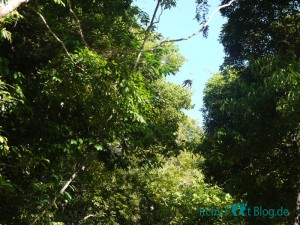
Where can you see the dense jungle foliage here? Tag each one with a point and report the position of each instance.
(91, 132)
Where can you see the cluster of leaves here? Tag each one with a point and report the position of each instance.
(260, 28)
(9, 97)
(87, 138)
(251, 109)
(171, 194)
(179, 189)
(11, 18)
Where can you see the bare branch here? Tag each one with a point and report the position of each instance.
(192, 35)
(161, 12)
(56, 196)
(51, 31)
(85, 218)
(78, 24)
(12, 5)
(147, 34)
(88, 216)
(54, 35)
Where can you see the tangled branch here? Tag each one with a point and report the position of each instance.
(201, 29)
(205, 25)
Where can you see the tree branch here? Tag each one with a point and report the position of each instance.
(12, 5)
(147, 34)
(203, 27)
(184, 38)
(161, 12)
(78, 24)
(57, 195)
(53, 34)
(85, 218)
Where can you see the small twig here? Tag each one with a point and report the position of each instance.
(85, 218)
(88, 216)
(54, 35)
(78, 24)
(51, 31)
(161, 12)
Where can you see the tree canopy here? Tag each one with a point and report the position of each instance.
(251, 108)
(91, 132)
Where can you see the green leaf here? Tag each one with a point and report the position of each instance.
(73, 142)
(68, 196)
(59, 2)
(99, 147)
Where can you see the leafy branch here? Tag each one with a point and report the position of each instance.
(62, 190)
(12, 5)
(147, 34)
(51, 31)
(205, 25)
